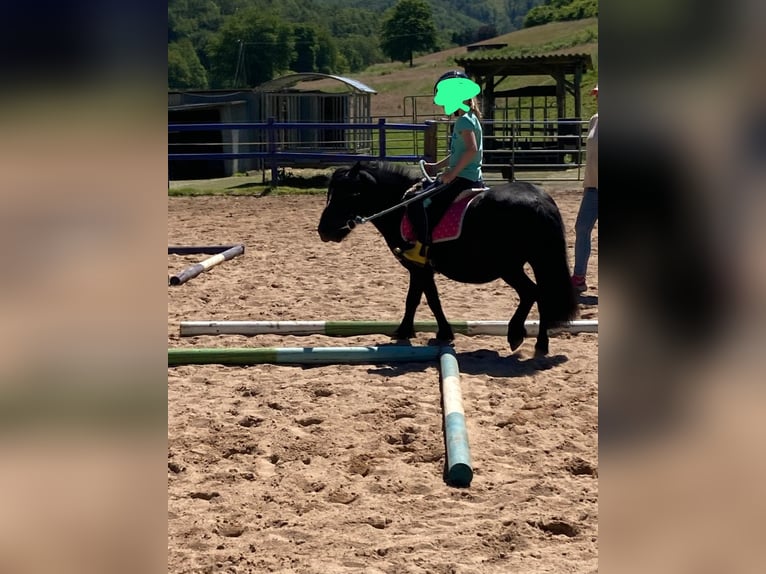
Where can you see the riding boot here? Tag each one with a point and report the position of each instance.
(416, 254)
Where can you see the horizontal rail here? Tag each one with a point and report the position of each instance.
(292, 125)
(291, 155)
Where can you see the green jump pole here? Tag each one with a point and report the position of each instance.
(350, 328)
(301, 355)
(459, 471)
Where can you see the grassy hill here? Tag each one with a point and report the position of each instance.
(394, 81)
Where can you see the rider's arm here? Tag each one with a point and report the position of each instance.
(471, 149)
(434, 168)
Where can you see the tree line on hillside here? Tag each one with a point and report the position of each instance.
(224, 44)
(560, 11)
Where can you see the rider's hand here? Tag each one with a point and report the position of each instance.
(448, 176)
(414, 190)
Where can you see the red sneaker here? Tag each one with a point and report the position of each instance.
(578, 283)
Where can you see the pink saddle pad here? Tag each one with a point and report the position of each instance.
(450, 226)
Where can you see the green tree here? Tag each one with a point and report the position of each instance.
(306, 47)
(561, 10)
(360, 52)
(328, 58)
(185, 71)
(250, 48)
(408, 28)
(192, 19)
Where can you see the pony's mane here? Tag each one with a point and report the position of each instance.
(392, 174)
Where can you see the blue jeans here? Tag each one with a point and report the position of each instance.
(586, 220)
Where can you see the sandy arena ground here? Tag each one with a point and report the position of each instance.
(339, 469)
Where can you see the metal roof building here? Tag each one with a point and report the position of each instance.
(303, 97)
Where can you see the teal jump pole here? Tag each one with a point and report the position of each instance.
(351, 328)
(459, 471)
(301, 355)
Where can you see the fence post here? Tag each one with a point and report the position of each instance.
(382, 138)
(429, 141)
(270, 131)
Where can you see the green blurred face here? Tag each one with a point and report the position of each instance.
(453, 92)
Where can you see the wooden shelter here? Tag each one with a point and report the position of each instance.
(546, 105)
(490, 69)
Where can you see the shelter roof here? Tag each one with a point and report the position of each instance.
(284, 82)
(495, 62)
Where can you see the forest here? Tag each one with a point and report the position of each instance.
(223, 44)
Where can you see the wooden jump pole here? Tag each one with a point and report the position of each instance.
(202, 266)
(459, 471)
(350, 328)
(301, 355)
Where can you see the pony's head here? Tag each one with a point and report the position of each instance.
(345, 202)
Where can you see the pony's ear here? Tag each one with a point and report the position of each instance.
(367, 176)
(357, 173)
(354, 171)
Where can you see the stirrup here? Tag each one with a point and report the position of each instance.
(417, 254)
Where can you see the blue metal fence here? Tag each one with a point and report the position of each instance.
(273, 155)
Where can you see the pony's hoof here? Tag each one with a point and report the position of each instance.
(515, 340)
(541, 350)
(403, 334)
(445, 337)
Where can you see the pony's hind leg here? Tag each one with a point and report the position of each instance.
(527, 291)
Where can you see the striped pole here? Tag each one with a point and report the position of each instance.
(350, 328)
(301, 355)
(459, 471)
(202, 266)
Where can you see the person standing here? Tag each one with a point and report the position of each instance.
(587, 215)
(457, 93)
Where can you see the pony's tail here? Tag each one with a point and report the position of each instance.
(556, 297)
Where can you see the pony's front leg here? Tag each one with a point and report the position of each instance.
(527, 291)
(434, 303)
(406, 329)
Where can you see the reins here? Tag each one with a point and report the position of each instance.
(416, 197)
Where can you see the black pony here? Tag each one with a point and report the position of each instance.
(504, 228)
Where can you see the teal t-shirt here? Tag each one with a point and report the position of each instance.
(467, 121)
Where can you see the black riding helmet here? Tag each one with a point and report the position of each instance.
(448, 75)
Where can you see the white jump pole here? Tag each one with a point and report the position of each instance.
(202, 266)
(350, 328)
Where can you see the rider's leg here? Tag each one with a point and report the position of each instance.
(418, 215)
